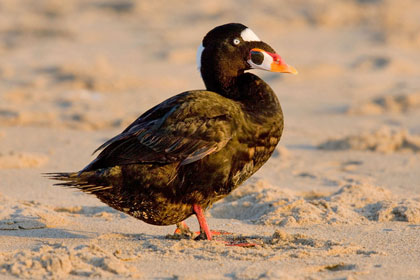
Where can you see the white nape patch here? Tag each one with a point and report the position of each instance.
(265, 65)
(248, 35)
(198, 57)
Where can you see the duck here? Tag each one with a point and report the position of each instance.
(193, 149)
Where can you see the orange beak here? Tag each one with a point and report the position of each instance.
(260, 59)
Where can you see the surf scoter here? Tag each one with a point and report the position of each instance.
(194, 148)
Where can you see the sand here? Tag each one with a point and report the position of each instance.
(385, 140)
(339, 199)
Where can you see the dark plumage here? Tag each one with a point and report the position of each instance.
(193, 149)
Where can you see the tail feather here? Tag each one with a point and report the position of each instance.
(87, 181)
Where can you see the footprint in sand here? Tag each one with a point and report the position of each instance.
(22, 223)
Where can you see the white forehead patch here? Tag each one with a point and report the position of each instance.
(198, 57)
(249, 35)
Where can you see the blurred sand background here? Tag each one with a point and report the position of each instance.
(340, 198)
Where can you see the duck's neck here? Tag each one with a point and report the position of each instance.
(246, 88)
(222, 82)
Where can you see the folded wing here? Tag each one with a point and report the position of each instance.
(181, 129)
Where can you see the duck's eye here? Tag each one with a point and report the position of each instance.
(236, 41)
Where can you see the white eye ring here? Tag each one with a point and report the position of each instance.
(236, 41)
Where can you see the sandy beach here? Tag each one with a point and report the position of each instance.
(339, 199)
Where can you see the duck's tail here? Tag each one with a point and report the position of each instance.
(88, 182)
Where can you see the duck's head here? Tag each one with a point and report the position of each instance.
(229, 50)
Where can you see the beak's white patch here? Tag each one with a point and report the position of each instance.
(248, 35)
(198, 57)
(265, 65)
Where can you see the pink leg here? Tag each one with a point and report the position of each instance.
(202, 220)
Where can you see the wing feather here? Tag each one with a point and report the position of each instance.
(184, 128)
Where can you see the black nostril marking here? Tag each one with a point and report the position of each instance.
(257, 57)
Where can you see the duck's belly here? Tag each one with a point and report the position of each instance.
(145, 191)
(162, 212)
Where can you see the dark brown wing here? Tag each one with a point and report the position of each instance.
(184, 128)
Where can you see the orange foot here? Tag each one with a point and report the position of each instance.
(182, 228)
